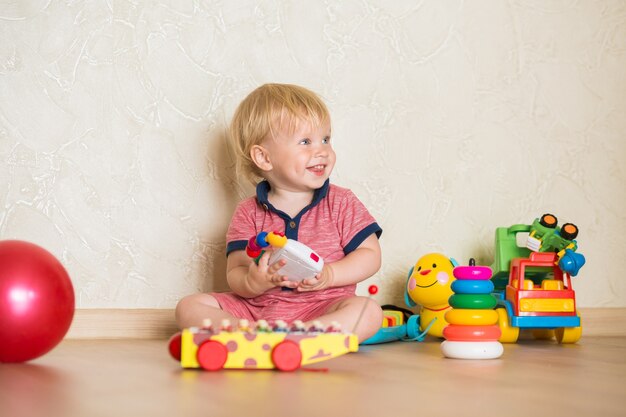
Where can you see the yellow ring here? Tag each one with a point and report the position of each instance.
(471, 317)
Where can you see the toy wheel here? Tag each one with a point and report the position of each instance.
(509, 333)
(569, 334)
(212, 355)
(543, 334)
(569, 231)
(174, 345)
(548, 220)
(287, 356)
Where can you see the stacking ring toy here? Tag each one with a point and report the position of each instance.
(471, 317)
(472, 350)
(472, 286)
(475, 301)
(457, 333)
(472, 272)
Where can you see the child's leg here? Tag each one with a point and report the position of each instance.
(193, 309)
(347, 312)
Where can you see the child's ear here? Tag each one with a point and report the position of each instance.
(261, 158)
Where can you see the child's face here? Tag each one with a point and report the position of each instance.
(302, 160)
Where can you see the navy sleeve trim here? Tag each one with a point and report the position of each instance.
(236, 245)
(361, 236)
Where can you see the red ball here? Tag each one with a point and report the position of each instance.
(36, 301)
(373, 289)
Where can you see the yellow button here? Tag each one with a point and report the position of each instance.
(547, 305)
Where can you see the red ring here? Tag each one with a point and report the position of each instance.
(252, 253)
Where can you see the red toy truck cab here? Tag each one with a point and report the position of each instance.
(553, 296)
(548, 303)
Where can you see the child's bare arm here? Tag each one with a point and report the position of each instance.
(248, 279)
(355, 267)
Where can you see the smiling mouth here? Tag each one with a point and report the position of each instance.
(317, 169)
(426, 286)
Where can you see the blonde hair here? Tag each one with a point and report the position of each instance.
(271, 108)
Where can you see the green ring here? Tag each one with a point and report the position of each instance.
(473, 301)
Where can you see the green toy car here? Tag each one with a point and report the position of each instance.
(543, 236)
(546, 236)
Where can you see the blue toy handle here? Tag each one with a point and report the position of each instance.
(571, 262)
(386, 334)
(409, 332)
(413, 328)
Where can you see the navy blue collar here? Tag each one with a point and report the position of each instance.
(263, 188)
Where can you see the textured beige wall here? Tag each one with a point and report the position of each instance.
(450, 118)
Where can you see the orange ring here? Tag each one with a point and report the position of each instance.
(458, 333)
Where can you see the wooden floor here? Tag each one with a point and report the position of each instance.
(91, 378)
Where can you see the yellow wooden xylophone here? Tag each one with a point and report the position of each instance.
(259, 345)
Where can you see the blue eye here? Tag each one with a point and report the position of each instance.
(305, 142)
(326, 140)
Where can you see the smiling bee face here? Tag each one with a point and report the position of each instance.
(430, 280)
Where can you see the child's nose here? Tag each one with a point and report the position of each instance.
(322, 149)
(321, 153)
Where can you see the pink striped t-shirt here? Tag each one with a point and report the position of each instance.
(333, 225)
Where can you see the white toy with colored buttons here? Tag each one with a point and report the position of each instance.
(302, 261)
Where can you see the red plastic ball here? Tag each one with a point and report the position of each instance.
(373, 289)
(36, 301)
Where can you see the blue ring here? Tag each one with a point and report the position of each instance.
(261, 240)
(466, 286)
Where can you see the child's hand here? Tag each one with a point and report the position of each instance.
(321, 281)
(259, 276)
